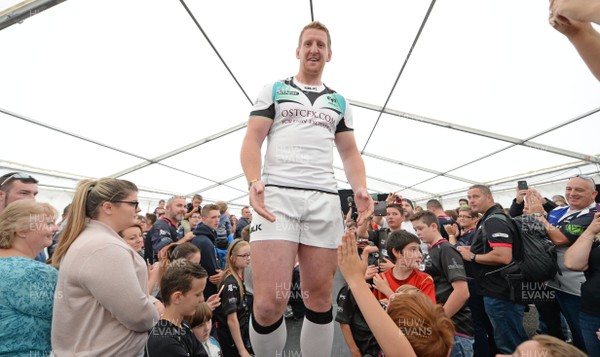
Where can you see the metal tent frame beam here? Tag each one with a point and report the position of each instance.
(515, 141)
(24, 10)
(420, 168)
(146, 161)
(158, 159)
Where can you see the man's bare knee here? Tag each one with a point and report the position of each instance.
(268, 311)
(318, 302)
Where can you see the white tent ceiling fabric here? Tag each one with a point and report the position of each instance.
(488, 93)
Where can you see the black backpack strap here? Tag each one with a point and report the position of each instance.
(516, 240)
(498, 215)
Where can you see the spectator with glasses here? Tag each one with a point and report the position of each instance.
(189, 224)
(233, 316)
(16, 186)
(467, 219)
(104, 307)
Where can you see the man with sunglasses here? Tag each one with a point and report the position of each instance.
(16, 186)
(563, 226)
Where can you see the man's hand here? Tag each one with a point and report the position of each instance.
(364, 205)
(257, 200)
(465, 251)
(534, 203)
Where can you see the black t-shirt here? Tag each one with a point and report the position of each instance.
(166, 339)
(445, 265)
(349, 313)
(232, 302)
(590, 290)
(500, 233)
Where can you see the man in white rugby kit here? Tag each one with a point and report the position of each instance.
(295, 198)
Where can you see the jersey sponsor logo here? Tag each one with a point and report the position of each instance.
(499, 235)
(574, 229)
(455, 265)
(287, 92)
(306, 113)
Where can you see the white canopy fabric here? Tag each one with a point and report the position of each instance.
(446, 94)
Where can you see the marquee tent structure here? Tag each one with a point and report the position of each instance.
(445, 94)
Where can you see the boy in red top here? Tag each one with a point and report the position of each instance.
(403, 249)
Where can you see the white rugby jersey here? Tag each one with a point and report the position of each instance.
(301, 139)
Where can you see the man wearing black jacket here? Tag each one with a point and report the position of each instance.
(491, 250)
(205, 236)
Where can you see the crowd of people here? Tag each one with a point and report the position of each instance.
(419, 281)
(465, 273)
(98, 292)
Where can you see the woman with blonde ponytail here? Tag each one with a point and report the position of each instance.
(102, 306)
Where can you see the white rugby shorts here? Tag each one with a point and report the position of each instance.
(302, 216)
